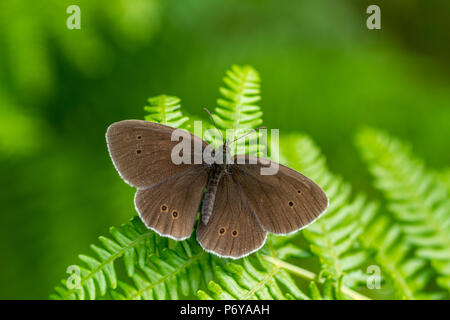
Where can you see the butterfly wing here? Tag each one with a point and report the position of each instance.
(284, 202)
(170, 208)
(232, 231)
(168, 194)
(141, 151)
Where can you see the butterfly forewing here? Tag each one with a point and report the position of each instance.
(284, 202)
(232, 231)
(141, 151)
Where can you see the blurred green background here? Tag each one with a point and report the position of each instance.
(323, 73)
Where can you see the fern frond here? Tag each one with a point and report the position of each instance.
(180, 270)
(408, 275)
(417, 200)
(237, 110)
(334, 237)
(265, 277)
(132, 241)
(252, 278)
(161, 268)
(166, 110)
(157, 268)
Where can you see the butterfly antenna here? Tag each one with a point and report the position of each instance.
(251, 131)
(213, 122)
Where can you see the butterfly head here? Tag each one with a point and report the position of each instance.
(225, 147)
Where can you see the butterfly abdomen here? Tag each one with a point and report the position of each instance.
(215, 174)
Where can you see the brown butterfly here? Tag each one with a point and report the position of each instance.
(239, 205)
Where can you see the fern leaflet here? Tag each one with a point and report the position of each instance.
(166, 110)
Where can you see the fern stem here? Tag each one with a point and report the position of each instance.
(297, 270)
(262, 283)
(311, 276)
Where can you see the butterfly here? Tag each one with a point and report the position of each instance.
(240, 205)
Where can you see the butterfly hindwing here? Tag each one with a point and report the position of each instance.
(284, 202)
(232, 231)
(170, 208)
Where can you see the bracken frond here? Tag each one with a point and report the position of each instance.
(237, 111)
(334, 237)
(418, 202)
